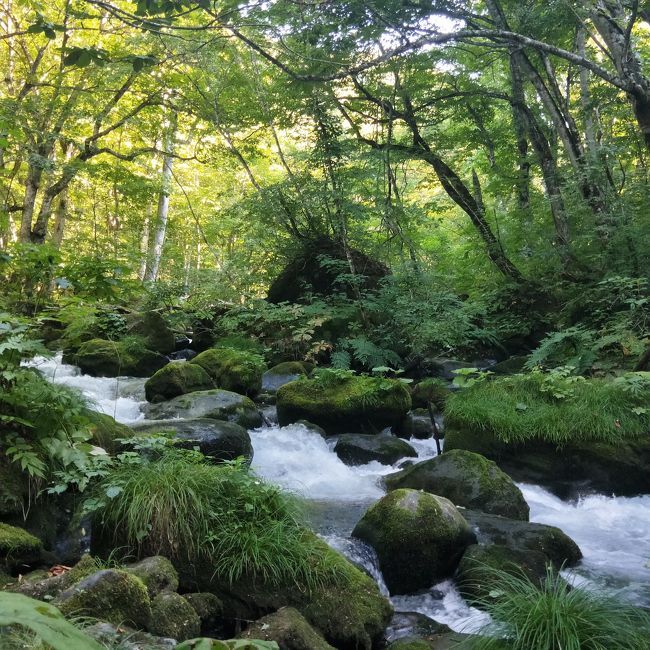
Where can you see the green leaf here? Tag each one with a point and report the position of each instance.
(113, 491)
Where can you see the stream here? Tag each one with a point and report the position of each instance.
(612, 532)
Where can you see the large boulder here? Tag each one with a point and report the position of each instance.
(172, 616)
(213, 404)
(106, 431)
(344, 404)
(419, 538)
(289, 629)
(234, 370)
(151, 326)
(176, 378)
(18, 548)
(156, 572)
(358, 449)
(109, 595)
(468, 480)
(216, 439)
(102, 358)
(317, 269)
(283, 373)
(557, 547)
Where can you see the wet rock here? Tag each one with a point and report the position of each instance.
(314, 428)
(443, 641)
(157, 573)
(176, 378)
(215, 439)
(172, 616)
(106, 431)
(359, 449)
(101, 358)
(213, 404)
(234, 370)
(18, 548)
(404, 624)
(557, 547)
(283, 373)
(417, 424)
(125, 638)
(209, 609)
(468, 480)
(419, 538)
(151, 326)
(181, 343)
(289, 629)
(182, 355)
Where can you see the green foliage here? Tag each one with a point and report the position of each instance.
(530, 616)
(99, 278)
(220, 516)
(555, 407)
(363, 353)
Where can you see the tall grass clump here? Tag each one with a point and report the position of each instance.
(223, 517)
(554, 407)
(529, 615)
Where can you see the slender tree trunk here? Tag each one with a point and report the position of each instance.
(162, 212)
(60, 217)
(144, 243)
(519, 122)
(32, 185)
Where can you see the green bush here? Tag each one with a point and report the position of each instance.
(527, 615)
(554, 407)
(220, 516)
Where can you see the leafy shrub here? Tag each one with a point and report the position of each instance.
(364, 354)
(530, 616)
(556, 407)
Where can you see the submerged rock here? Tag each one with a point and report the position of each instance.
(101, 358)
(172, 616)
(289, 629)
(358, 449)
(214, 404)
(419, 538)
(234, 370)
(468, 480)
(345, 404)
(176, 378)
(215, 439)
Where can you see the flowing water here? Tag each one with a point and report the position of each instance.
(613, 532)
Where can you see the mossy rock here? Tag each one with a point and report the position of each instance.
(126, 638)
(13, 489)
(289, 629)
(106, 431)
(419, 538)
(345, 404)
(18, 548)
(430, 391)
(444, 641)
(417, 424)
(209, 609)
(102, 358)
(358, 449)
(476, 572)
(157, 573)
(176, 378)
(109, 595)
(234, 370)
(283, 373)
(557, 547)
(468, 480)
(217, 440)
(151, 326)
(172, 616)
(213, 404)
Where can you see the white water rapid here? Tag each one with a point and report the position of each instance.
(612, 532)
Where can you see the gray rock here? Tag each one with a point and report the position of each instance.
(157, 573)
(358, 449)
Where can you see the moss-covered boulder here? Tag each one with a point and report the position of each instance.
(476, 571)
(176, 378)
(172, 616)
(109, 595)
(209, 609)
(215, 439)
(557, 547)
(419, 538)
(289, 629)
(157, 573)
(106, 431)
(213, 404)
(430, 391)
(153, 329)
(18, 548)
(283, 373)
(344, 404)
(235, 370)
(102, 358)
(468, 480)
(358, 449)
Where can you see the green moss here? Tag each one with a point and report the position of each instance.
(110, 595)
(538, 407)
(153, 329)
(434, 391)
(102, 358)
(234, 370)
(173, 617)
(176, 378)
(157, 573)
(18, 546)
(291, 368)
(106, 431)
(344, 404)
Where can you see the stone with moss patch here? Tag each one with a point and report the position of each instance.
(234, 370)
(209, 609)
(344, 404)
(358, 449)
(289, 629)
(106, 431)
(176, 378)
(18, 548)
(102, 358)
(468, 480)
(212, 404)
(172, 616)
(157, 573)
(283, 373)
(125, 638)
(153, 329)
(419, 538)
(109, 595)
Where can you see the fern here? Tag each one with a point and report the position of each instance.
(367, 354)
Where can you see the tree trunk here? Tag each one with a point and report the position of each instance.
(144, 243)
(60, 217)
(32, 184)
